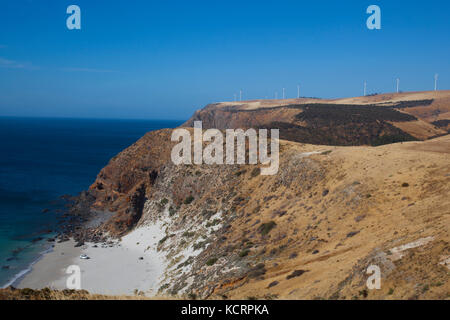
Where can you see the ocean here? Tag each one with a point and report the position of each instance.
(42, 159)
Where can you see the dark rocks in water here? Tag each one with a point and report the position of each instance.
(79, 244)
(17, 251)
(296, 273)
(37, 239)
(51, 240)
(45, 210)
(141, 258)
(63, 240)
(5, 267)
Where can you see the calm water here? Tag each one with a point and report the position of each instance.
(43, 159)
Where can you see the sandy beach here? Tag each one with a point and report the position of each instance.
(130, 264)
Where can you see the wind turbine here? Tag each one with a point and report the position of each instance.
(240, 95)
(283, 93)
(398, 85)
(235, 97)
(276, 95)
(436, 76)
(298, 91)
(365, 88)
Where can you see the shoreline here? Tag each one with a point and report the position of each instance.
(130, 265)
(19, 276)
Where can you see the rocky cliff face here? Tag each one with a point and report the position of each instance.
(310, 231)
(123, 185)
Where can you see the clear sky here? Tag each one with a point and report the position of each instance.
(165, 59)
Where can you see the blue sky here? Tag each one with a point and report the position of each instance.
(165, 59)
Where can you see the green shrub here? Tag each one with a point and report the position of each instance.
(255, 172)
(192, 296)
(244, 253)
(199, 245)
(211, 261)
(189, 199)
(265, 228)
(240, 172)
(188, 234)
(163, 240)
(213, 223)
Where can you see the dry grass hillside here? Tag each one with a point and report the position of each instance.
(309, 232)
(48, 294)
(337, 212)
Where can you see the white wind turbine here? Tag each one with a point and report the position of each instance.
(436, 76)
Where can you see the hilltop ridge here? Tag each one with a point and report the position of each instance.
(370, 120)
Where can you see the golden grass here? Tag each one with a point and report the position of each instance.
(49, 294)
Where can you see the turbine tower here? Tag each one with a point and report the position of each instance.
(365, 88)
(283, 93)
(398, 85)
(235, 97)
(276, 95)
(240, 95)
(298, 91)
(436, 76)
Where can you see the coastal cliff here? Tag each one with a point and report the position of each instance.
(310, 231)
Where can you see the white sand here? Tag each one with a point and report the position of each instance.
(113, 270)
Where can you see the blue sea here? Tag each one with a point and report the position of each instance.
(43, 159)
